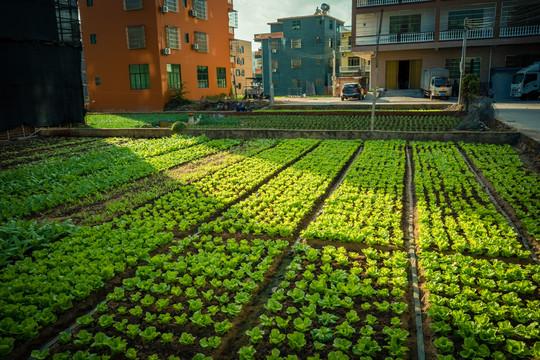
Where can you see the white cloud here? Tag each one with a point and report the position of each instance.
(254, 15)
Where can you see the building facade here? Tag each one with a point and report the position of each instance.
(503, 36)
(354, 68)
(40, 47)
(241, 58)
(138, 51)
(301, 51)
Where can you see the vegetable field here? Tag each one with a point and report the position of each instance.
(417, 121)
(191, 248)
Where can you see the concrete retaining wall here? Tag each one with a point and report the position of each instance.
(512, 138)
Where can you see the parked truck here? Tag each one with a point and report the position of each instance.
(435, 83)
(526, 82)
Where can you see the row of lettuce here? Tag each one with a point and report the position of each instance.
(331, 303)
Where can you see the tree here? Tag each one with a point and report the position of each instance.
(470, 89)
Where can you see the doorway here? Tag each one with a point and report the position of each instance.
(403, 74)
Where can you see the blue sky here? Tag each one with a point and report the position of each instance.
(254, 15)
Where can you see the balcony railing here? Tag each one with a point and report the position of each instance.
(354, 69)
(520, 31)
(345, 48)
(395, 38)
(473, 34)
(365, 3)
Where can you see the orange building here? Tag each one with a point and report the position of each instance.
(137, 51)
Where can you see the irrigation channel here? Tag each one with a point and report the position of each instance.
(277, 273)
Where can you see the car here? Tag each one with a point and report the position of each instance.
(352, 90)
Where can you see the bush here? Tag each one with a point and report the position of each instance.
(178, 127)
(470, 88)
(177, 98)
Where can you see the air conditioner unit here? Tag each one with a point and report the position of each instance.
(274, 51)
(164, 9)
(274, 70)
(193, 13)
(195, 46)
(166, 51)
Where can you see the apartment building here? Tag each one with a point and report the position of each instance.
(354, 68)
(503, 36)
(301, 52)
(241, 58)
(138, 51)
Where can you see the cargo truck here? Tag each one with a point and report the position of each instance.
(526, 82)
(435, 83)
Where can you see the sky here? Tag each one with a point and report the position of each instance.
(254, 15)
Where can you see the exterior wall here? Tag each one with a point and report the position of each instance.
(491, 39)
(109, 58)
(241, 56)
(315, 54)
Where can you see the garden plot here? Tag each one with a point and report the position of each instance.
(335, 304)
(204, 269)
(367, 206)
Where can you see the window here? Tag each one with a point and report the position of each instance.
(275, 64)
(184, 2)
(296, 25)
(174, 77)
(200, 7)
(405, 24)
(221, 77)
(331, 24)
(296, 63)
(186, 37)
(132, 4)
(472, 66)
(202, 76)
(237, 72)
(135, 37)
(318, 40)
(274, 44)
(97, 80)
(93, 39)
(89, 2)
(330, 43)
(243, 72)
(296, 83)
(172, 5)
(319, 21)
(201, 39)
(319, 60)
(139, 76)
(242, 49)
(456, 19)
(296, 43)
(354, 61)
(173, 40)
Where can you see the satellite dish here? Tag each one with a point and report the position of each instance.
(325, 8)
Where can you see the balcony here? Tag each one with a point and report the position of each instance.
(354, 69)
(402, 38)
(520, 31)
(484, 33)
(366, 3)
(345, 48)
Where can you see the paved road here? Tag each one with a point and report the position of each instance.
(524, 116)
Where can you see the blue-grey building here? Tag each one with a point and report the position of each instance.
(301, 50)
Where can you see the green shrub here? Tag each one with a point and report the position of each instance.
(178, 127)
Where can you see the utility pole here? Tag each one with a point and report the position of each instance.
(334, 73)
(462, 65)
(270, 71)
(372, 127)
